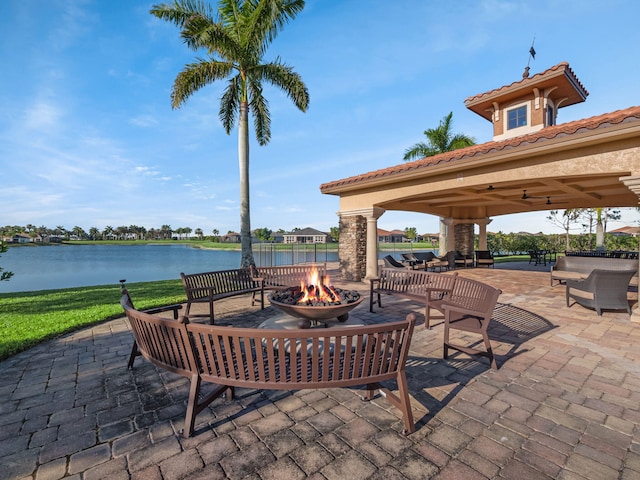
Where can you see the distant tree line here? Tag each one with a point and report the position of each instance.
(135, 232)
(131, 232)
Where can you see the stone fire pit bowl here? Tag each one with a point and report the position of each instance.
(316, 313)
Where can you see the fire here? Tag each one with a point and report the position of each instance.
(317, 289)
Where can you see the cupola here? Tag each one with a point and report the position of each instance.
(530, 104)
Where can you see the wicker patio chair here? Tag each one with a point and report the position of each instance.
(602, 289)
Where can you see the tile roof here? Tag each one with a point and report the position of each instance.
(631, 114)
(561, 66)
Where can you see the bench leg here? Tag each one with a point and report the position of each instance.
(194, 406)
(134, 353)
(372, 301)
(404, 403)
(211, 311)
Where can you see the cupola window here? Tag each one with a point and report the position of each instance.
(517, 117)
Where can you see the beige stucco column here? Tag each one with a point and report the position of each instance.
(450, 236)
(442, 240)
(482, 232)
(372, 242)
(633, 183)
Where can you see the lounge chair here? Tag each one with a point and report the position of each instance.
(391, 262)
(431, 262)
(484, 258)
(410, 259)
(463, 260)
(602, 289)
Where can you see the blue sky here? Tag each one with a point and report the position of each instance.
(88, 136)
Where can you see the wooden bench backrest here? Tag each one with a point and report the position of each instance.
(200, 285)
(415, 282)
(249, 357)
(287, 275)
(162, 341)
(474, 295)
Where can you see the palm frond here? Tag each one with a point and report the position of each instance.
(230, 103)
(259, 108)
(418, 151)
(284, 77)
(181, 12)
(195, 76)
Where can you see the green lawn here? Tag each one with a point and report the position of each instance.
(28, 318)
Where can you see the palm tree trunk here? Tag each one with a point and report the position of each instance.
(245, 211)
(599, 229)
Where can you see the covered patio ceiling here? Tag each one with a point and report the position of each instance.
(579, 164)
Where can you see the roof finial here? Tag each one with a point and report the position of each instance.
(532, 54)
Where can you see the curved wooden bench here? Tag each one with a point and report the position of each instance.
(259, 358)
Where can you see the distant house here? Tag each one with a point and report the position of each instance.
(307, 235)
(430, 237)
(231, 237)
(626, 231)
(393, 236)
(21, 238)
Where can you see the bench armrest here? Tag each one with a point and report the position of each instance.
(166, 308)
(460, 309)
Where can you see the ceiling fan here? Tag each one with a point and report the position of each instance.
(526, 197)
(549, 202)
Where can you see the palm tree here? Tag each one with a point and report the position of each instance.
(236, 41)
(439, 140)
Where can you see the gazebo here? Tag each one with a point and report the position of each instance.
(531, 164)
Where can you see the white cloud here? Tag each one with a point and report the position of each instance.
(144, 121)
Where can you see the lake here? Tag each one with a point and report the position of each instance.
(66, 266)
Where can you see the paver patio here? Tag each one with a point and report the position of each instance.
(565, 404)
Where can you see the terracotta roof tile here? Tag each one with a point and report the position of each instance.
(548, 133)
(560, 66)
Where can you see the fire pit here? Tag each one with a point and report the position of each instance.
(316, 300)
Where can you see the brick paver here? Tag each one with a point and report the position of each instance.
(564, 404)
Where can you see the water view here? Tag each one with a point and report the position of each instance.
(64, 266)
(67, 266)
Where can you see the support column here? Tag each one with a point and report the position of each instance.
(633, 183)
(451, 238)
(482, 232)
(372, 242)
(359, 229)
(442, 240)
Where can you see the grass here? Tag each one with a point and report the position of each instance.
(28, 318)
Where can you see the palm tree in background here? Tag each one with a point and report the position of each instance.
(439, 140)
(236, 38)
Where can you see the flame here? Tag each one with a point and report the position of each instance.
(317, 289)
